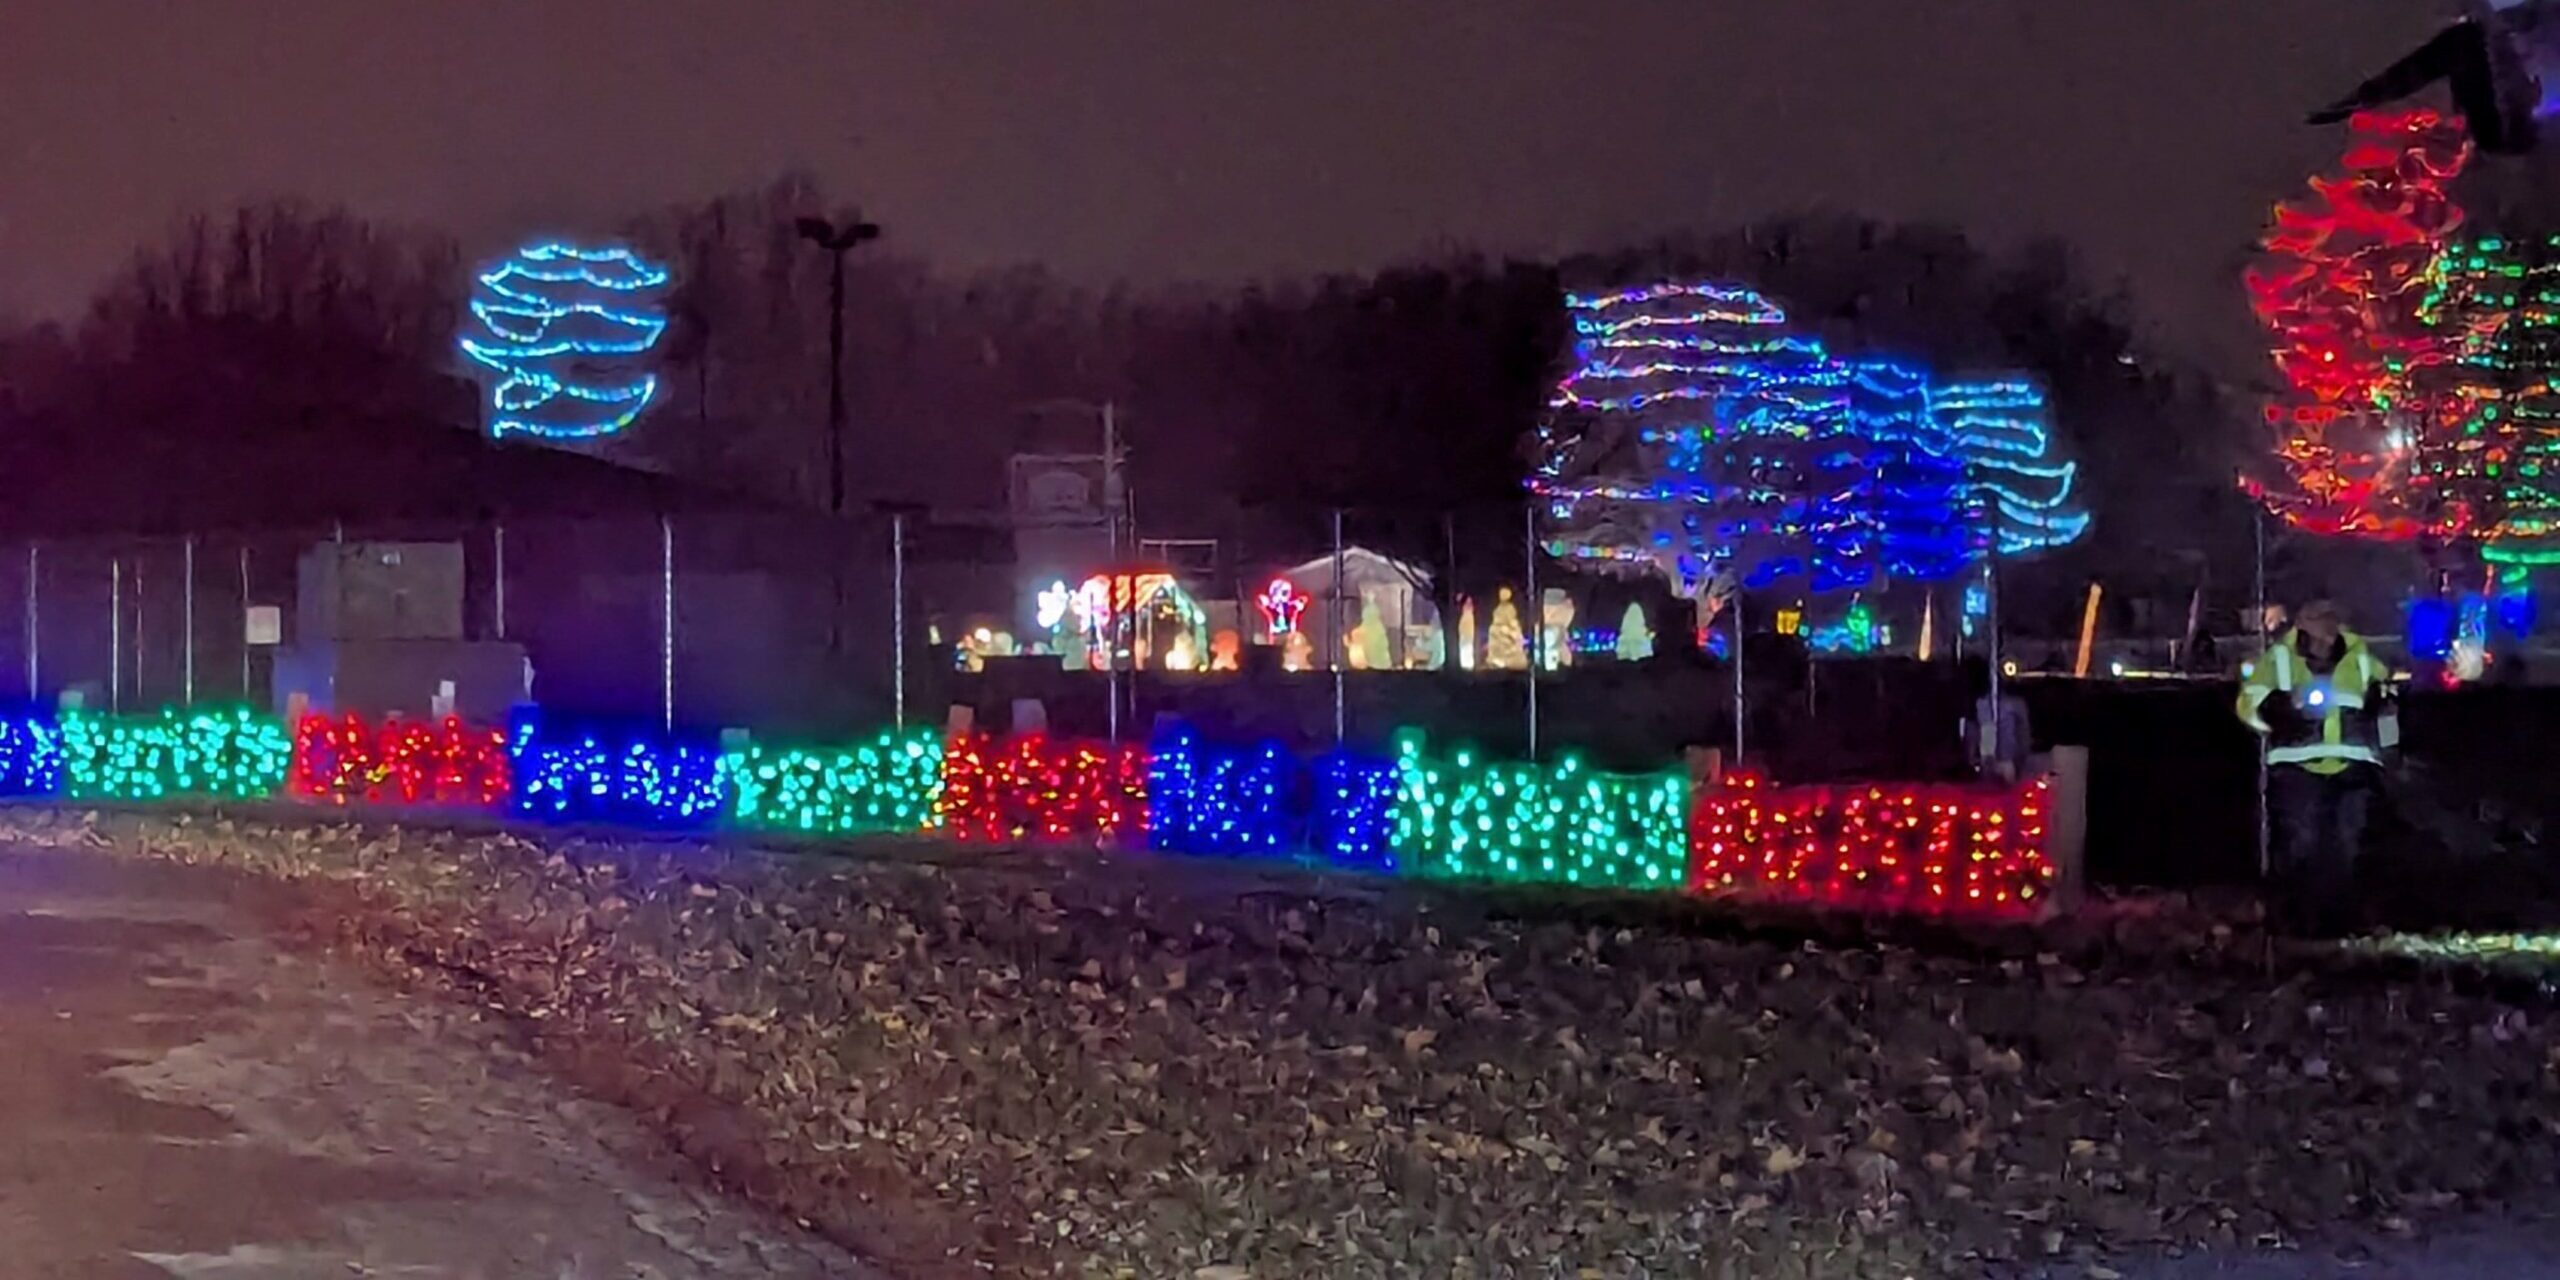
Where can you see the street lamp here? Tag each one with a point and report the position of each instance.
(838, 239)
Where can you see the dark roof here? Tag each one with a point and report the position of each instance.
(60, 483)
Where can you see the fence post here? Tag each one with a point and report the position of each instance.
(1333, 631)
(187, 620)
(35, 634)
(898, 614)
(1536, 607)
(2258, 625)
(1741, 702)
(244, 621)
(667, 620)
(115, 633)
(498, 571)
(2067, 827)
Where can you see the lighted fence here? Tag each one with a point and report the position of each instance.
(888, 784)
(444, 764)
(612, 773)
(222, 754)
(1977, 849)
(1466, 818)
(1034, 787)
(30, 756)
(1235, 801)
(1941, 848)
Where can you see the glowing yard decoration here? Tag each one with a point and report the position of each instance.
(1462, 818)
(1281, 602)
(1697, 436)
(1091, 605)
(1854, 633)
(1117, 611)
(887, 784)
(1051, 607)
(563, 330)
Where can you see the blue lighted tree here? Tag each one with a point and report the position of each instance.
(1697, 436)
(566, 330)
(2021, 496)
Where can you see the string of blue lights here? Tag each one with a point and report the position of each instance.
(1696, 435)
(561, 326)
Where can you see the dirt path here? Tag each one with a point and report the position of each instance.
(182, 1098)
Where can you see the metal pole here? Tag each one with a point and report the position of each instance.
(1449, 614)
(1537, 611)
(835, 385)
(835, 452)
(898, 614)
(2258, 624)
(187, 612)
(1741, 703)
(35, 637)
(498, 544)
(1114, 572)
(1991, 638)
(115, 634)
(667, 619)
(244, 621)
(1333, 632)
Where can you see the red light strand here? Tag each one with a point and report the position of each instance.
(450, 764)
(1934, 849)
(1033, 787)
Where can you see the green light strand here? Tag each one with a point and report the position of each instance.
(218, 753)
(1465, 819)
(888, 784)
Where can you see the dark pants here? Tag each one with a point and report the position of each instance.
(2319, 833)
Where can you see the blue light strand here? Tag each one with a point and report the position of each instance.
(1999, 427)
(603, 773)
(1354, 822)
(1215, 799)
(30, 755)
(1756, 450)
(557, 317)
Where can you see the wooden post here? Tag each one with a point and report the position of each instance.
(2088, 633)
(2067, 826)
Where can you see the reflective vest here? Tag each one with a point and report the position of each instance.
(2332, 719)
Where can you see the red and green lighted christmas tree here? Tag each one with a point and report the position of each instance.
(2343, 289)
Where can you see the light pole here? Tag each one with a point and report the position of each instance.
(838, 239)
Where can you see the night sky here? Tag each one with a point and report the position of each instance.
(1160, 141)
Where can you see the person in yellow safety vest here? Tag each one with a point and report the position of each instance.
(2317, 694)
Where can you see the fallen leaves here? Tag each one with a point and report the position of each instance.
(1061, 1064)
